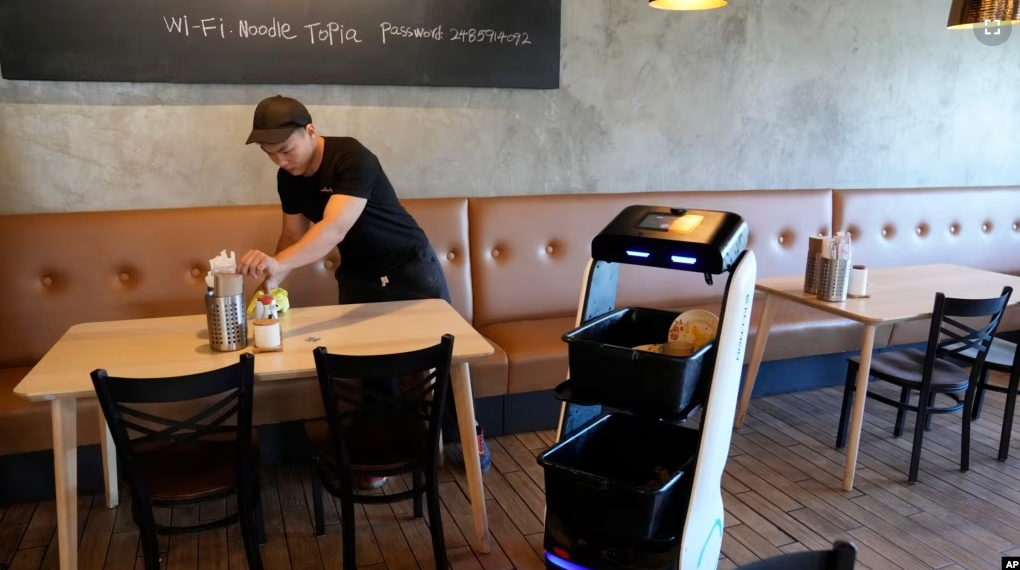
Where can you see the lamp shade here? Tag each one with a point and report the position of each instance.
(687, 4)
(966, 14)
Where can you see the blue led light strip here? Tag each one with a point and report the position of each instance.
(565, 564)
(683, 259)
(637, 253)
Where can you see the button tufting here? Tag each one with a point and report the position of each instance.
(1016, 226)
(986, 227)
(495, 253)
(451, 256)
(919, 231)
(46, 281)
(124, 277)
(953, 228)
(548, 249)
(781, 239)
(195, 272)
(328, 264)
(885, 232)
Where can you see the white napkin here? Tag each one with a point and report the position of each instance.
(221, 264)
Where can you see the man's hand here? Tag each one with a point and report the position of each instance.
(256, 264)
(271, 282)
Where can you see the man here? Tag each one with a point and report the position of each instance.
(340, 186)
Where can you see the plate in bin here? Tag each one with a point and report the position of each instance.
(697, 326)
(606, 369)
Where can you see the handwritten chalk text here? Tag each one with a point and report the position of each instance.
(327, 32)
(276, 29)
(334, 33)
(491, 36)
(409, 32)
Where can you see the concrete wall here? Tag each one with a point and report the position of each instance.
(760, 94)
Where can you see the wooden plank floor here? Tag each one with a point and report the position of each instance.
(781, 493)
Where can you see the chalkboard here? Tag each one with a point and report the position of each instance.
(463, 43)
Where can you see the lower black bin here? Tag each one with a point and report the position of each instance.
(605, 368)
(622, 476)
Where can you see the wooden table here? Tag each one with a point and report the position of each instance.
(174, 346)
(897, 295)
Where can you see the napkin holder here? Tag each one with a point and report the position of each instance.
(226, 317)
(813, 266)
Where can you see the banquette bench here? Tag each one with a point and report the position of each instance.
(514, 265)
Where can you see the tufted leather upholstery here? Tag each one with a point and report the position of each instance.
(65, 269)
(976, 227)
(514, 240)
(514, 265)
(529, 252)
(26, 426)
(72, 268)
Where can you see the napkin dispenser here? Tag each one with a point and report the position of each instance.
(226, 317)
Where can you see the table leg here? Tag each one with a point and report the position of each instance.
(857, 415)
(461, 384)
(757, 353)
(64, 413)
(109, 458)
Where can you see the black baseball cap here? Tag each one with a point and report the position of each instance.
(276, 118)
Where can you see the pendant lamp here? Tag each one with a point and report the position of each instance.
(687, 4)
(983, 13)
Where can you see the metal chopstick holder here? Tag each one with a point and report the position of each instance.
(226, 315)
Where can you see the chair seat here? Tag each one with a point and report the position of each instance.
(999, 357)
(374, 447)
(192, 471)
(904, 367)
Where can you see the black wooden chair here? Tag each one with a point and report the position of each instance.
(1003, 356)
(843, 556)
(180, 462)
(930, 372)
(379, 433)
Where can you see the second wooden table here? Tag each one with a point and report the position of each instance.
(896, 295)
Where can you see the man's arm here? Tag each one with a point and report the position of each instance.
(338, 218)
(358, 173)
(293, 229)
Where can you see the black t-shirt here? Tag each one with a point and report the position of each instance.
(384, 236)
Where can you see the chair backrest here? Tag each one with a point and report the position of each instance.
(948, 337)
(123, 401)
(843, 556)
(351, 399)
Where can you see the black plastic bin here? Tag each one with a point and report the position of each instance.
(622, 476)
(605, 368)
